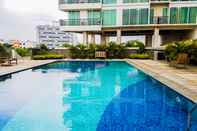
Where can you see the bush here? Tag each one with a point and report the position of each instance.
(136, 43)
(48, 56)
(23, 52)
(4, 52)
(115, 50)
(79, 51)
(173, 49)
(139, 56)
(67, 45)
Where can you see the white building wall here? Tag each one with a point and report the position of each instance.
(52, 36)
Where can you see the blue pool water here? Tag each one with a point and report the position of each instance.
(90, 96)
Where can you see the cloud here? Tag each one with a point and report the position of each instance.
(19, 18)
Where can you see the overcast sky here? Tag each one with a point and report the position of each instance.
(18, 18)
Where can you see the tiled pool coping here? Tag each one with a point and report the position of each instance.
(184, 81)
(23, 65)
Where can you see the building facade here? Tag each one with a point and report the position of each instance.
(161, 21)
(53, 37)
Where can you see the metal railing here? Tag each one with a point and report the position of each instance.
(160, 20)
(80, 22)
(78, 1)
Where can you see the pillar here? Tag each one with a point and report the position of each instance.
(156, 42)
(156, 38)
(118, 36)
(85, 38)
(103, 40)
(92, 39)
(194, 34)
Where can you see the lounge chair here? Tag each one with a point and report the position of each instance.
(6, 61)
(181, 61)
(100, 54)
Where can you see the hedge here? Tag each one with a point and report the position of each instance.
(47, 56)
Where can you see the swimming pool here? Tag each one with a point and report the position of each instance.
(90, 96)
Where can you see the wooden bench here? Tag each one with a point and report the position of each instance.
(100, 54)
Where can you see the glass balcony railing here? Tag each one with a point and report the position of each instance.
(78, 1)
(159, 20)
(159, 0)
(80, 22)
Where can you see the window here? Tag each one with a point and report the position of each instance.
(109, 17)
(135, 1)
(183, 15)
(94, 17)
(109, 1)
(135, 16)
(74, 17)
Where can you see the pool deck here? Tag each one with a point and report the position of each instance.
(183, 81)
(22, 65)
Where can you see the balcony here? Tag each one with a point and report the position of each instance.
(66, 5)
(159, 20)
(159, 1)
(90, 24)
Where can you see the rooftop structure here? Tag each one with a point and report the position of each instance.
(161, 21)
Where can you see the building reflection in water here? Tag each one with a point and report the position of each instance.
(121, 99)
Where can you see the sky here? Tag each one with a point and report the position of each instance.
(18, 18)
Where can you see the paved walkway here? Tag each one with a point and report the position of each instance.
(183, 81)
(22, 64)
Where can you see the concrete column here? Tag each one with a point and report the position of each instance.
(85, 38)
(118, 36)
(156, 42)
(156, 38)
(194, 34)
(92, 39)
(103, 40)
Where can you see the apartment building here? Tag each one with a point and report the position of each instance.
(161, 21)
(52, 36)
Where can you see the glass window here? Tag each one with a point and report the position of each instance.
(94, 17)
(74, 17)
(174, 15)
(143, 16)
(183, 15)
(109, 17)
(193, 15)
(109, 1)
(135, 16)
(135, 1)
(151, 16)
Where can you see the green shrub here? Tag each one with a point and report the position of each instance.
(136, 43)
(101, 47)
(115, 50)
(79, 51)
(23, 52)
(4, 51)
(67, 45)
(173, 49)
(43, 47)
(48, 56)
(139, 56)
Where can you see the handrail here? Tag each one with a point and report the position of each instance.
(189, 119)
(81, 22)
(78, 1)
